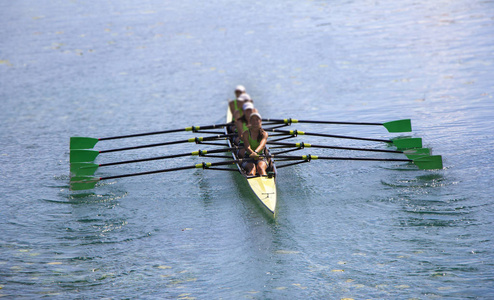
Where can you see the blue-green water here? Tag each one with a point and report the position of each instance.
(359, 230)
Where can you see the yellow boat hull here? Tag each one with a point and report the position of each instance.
(265, 190)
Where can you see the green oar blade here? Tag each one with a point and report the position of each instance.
(79, 183)
(407, 143)
(416, 153)
(429, 162)
(83, 168)
(399, 126)
(77, 142)
(82, 155)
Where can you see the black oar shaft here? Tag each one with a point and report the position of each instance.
(366, 159)
(296, 132)
(197, 166)
(139, 134)
(303, 145)
(191, 128)
(289, 121)
(143, 160)
(347, 137)
(148, 172)
(144, 146)
(197, 140)
(310, 157)
(199, 152)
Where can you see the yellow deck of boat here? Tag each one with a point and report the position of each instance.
(263, 187)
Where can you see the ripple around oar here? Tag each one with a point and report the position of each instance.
(422, 181)
(63, 181)
(96, 239)
(420, 222)
(431, 203)
(423, 201)
(402, 167)
(434, 202)
(88, 197)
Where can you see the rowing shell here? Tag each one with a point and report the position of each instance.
(264, 187)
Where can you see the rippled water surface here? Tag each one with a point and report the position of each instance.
(344, 229)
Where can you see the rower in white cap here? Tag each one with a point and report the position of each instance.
(233, 104)
(255, 139)
(238, 114)
(241, 123)
(239, 103)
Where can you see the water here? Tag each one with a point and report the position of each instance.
(360, 230)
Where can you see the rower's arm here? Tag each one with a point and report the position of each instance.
(263, 142)
(245, 138)
(239, 126)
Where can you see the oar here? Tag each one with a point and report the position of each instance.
(86, 155)
(86, 168)
(87, 182)
(77, 142)
(411, 153)
(400, 143)
(404, 125)
(424, 163)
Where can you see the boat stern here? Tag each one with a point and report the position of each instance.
(265, 190)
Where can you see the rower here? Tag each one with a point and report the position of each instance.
(255, 139)
(243, 121)
(239, 90)
(242, 124)
(238, 113)
(239, 103)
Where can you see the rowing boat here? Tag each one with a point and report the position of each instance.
(82, 154)
(264, 187)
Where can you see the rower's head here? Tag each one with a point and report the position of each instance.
(244, 98)
(255, 120)
(248, 109)
(239, 90)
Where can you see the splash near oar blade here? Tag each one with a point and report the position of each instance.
(83, 155)
(399, 126)
(416, 153)
(432, 162)
(79, 183)
(83, 168)
(77, 142)
(407, 143)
